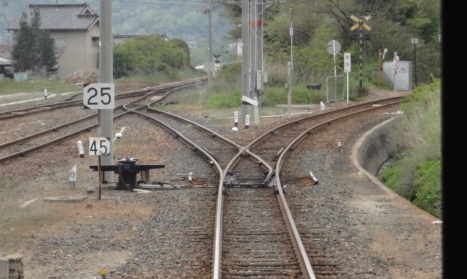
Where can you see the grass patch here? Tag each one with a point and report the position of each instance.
(10, 86)
(417, 174)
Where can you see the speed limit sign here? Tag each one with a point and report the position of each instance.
(99, 146)
(99, 96)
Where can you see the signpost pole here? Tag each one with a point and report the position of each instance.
(100, 177)
(347, 68)
(106, 76)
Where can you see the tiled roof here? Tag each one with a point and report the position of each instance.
(60, 16)
(4, 61)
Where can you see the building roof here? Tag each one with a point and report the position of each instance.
(59, 17)
(5, 62)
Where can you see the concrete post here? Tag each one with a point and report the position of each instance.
(106, 76)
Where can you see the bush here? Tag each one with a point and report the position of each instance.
(417, 176)
(428, 187)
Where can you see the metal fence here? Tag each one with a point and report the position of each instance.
(335, 88)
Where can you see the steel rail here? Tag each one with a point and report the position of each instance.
(271, 132)
(291, 224)
(302, 256)
(23, 152)
(255, 158)
(38, 108)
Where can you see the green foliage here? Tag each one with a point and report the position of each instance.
(34, 48)
(230, 73)
(428, 187)
(150, 55)
(274, 96)
(220, 95)
(391, 176)
(417, 175)
(10, 86)
(312, 65)
(300, 95)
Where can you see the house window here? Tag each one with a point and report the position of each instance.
(59, 45)
(95, 41)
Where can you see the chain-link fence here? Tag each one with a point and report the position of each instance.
(335, 88)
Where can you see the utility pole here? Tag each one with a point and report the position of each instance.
(360, 24)
(290, 66)
(210, 64)
(414, 41)
(245, 55)
(259, 59)
(253, 47)
(248, 66)
(106, 76)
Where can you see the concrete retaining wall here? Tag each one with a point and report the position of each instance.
(373, 149)
(11, 267)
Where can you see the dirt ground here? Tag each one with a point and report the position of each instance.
(75, 238)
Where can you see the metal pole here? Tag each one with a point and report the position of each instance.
(253, 49)
(210, 43)
(335, 69)
(245, 54)
(415, 62)
(347, 87)
(379, 67)
(106, 76)
(289, 98)
(360, 28)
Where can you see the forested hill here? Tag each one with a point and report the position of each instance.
(182, 19)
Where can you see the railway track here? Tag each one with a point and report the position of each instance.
(248, 219)
(249, 236)
(25, 144)
(256, 243)
(76, 100)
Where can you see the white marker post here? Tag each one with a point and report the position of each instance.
(45, 94)
(72, 177)
(80, 149)
(235, 128)
(396, 70)
(256, 112)
(347, 69)
(254, 102)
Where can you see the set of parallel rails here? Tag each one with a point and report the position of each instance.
(241, 249)
(250, 239)
(271, 251)
(323, 266)
(22, 146)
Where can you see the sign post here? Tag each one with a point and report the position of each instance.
(72, 177)
(99, 146)
(99, 96)
(360, 24)
(396, 70)
(347, 69)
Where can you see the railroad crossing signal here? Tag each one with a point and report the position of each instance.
(360, 21)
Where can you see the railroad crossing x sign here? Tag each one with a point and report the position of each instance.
(360, 21)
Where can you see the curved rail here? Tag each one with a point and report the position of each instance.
(300, 251)
(39, 108)
(163, 88)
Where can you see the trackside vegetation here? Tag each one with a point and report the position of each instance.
(416, 172)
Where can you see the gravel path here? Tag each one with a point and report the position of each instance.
(132, 235)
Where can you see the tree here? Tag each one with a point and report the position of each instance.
(148, 55)
(34, 49)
